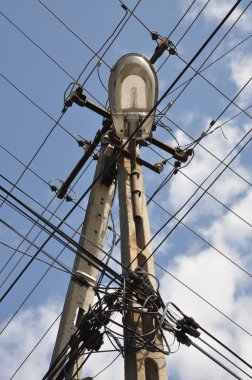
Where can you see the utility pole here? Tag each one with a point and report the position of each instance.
(132, 94)
(133, 89)
(135, 234)
(79, 294)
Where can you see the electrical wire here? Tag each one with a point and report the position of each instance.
(224, 357)
(207, 58)
(203, 193)
(34, 348)
(66, 269)
(150, 112)
(182, 18)
(185, 33)
(103, 45)
(28, 255)
(89, 257)
(207, 150)
(201, 297)
(203, 239)
(202, 188)
(46, 54)
(216, 361)
(71, 31)
(45, 209)
(163, 183)
(172, 85)
(104, 369)
(35, 44)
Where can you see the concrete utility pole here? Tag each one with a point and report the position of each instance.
(92, 238)
(133, 90)
(135, 234)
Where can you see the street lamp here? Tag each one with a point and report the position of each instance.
(133, 91)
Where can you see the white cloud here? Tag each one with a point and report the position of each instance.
(21, 336)
(216, 10)
(220, 283)
(240, 68)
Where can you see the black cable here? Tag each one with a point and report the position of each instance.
(232, 102)
(66, 269)
(100, 79)
(203, 193)
(182, 18)
(207, 58)
(207, 192)
(233, 117)
(203, 239)
(36, 223)
(45, 209)
(28, 255)
(224, 346)
(104, 369)
(46, 54)
(133, 14)
(113, 40)
(207, 150)
(71, 31)
(42, 228)
(223, 356)
(216, 361)
(49, 233)
(35, 44)
(185, 33)
(36, 345)
(163, 183)
(88, 256)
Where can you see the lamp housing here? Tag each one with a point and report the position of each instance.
(133, 91)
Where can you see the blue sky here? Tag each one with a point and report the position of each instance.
(222, 218)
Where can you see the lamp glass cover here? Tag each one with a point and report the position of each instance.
(133, 90)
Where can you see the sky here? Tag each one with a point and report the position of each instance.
(204, 266)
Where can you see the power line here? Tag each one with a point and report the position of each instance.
(186, 31)
(72, 32)
(45, 209)
(36, 345)
(182, 18)
(66, 269)
(207, 150)
(159, 101)
(46, 54)
(202, 298)
(197, 72)
(103, 45)
(193, 205)
(202, 238)
(207, 192)
(82, 252)
(28, 255)
(39, 47)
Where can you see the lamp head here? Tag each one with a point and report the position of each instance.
(133, 91)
